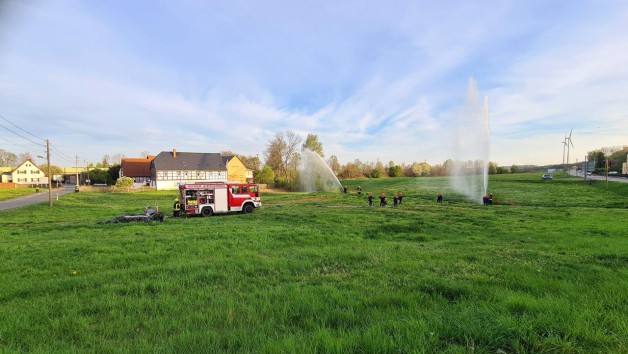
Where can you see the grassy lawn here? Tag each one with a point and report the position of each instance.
(6, 194)
(545, 269)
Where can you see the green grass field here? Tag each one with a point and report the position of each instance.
(6, 194)
(545, 269)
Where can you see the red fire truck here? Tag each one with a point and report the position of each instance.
(208, 198)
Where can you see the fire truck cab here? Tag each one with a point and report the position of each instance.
(208, 198)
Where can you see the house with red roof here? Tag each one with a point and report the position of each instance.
(138, 169)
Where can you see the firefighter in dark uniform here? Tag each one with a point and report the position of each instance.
(176, 208)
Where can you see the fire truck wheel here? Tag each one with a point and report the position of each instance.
(248, 208)
(207, 211)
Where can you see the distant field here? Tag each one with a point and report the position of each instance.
(6, 194)
(545, 269)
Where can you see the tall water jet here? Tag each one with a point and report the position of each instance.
(471, 147)
(315, 175)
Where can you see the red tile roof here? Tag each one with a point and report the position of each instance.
(136, 167)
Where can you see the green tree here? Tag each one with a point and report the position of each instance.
(55, 170)
(620, 153)
(427, 169)
(492, 168)
(98, 176)
(114, 173)
(418, 169)
(124, 182)
(382, 171)
(266, 175)
(311, 143)
(514, 169)
(599, 158)
(448, 167)
(395, 171)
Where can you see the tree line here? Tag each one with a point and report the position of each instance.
(282, 157)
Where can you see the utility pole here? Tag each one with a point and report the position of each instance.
(77, 174)
(564, 147)
(586, 167)
(607, 173)
(49, 173)
(87, 167)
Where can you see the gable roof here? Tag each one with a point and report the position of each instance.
(189, 161)
(136, 167)
(228, 158)
(22, 164)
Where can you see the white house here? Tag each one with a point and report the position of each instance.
(28, 173)
(169, 168)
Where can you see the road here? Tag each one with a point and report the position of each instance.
(41, 197)
(600, 178)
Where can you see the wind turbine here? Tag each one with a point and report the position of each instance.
(564, 147)
(568, 142)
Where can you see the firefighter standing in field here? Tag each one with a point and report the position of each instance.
(176, 208)
(382, 199)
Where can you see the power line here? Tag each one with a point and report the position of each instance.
(27, 132)
(60, 153)
(55, 151)
(23, 137)
(12, 143)
(61, 157)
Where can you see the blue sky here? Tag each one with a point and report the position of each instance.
(374, 80)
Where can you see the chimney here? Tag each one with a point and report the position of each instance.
(174, 153)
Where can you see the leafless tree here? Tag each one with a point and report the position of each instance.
(282, 154)
(23, 157)
(7, 159)
(333, 163)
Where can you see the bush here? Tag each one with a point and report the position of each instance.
(124, 182)
(266, 175)
(290, 184)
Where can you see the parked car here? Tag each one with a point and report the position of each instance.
(546, 176)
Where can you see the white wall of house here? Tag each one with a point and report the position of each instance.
(170, 180)
(28, 173)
